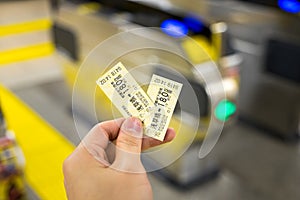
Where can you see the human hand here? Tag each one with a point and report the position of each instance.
(89, 174)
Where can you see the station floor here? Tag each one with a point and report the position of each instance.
(253, 164)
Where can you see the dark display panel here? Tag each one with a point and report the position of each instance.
(264, 2)
(283, 59)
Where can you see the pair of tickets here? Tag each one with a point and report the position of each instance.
(154, 108)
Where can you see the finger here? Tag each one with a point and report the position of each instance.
(111, 128)
(130, 136)
(128, 146)
(96, 141)
(146, 143)
(103, 132)
(151, 142)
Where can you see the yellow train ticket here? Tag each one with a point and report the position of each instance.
(164, 93)
(125, 93)
(131, 100)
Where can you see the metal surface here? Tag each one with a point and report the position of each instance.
(162, 50)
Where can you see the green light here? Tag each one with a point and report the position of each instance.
(224, 110)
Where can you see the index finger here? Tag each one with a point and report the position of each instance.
(102, 133)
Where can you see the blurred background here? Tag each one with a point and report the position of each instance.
(253, 44)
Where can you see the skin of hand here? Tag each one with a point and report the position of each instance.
(89, 174)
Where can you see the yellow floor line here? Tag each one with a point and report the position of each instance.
(26, 53)
(24, 27)
(44, 148)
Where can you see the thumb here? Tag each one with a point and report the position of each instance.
(128, 146)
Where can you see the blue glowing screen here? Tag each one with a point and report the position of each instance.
(291, 6)
(174, 28)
